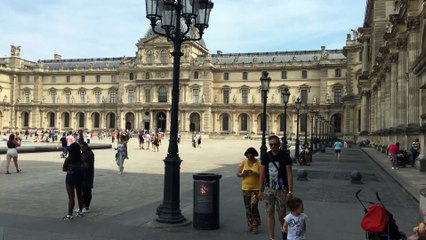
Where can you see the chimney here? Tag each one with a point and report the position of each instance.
(219, 52)
(57, 56)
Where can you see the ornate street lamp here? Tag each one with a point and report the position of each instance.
(316, 129)
(286, 96)
(167, 17)
(264, 81)
(298, 104)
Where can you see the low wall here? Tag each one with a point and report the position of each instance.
(50, 148)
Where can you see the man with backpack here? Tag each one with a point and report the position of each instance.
(276, 183)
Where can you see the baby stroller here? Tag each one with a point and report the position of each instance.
(378, 223)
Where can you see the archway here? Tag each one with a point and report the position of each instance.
(110, 120)
(161, 122)
(96, 120)
(194, 122)
(130, 120)
(51, 119)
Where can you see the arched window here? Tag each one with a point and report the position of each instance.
(96, 120)
(111, 120)
(225, 122)
(244, 122)
(282, 122)
(162, 94)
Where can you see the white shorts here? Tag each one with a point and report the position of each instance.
(12, 152)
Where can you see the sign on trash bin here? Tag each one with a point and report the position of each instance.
(203, 197)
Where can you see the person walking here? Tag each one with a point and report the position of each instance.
(121, 155)
(415, 151)
(295, 222)
(249, 172)
(393, 151)
(276, 178)
(74, 180)
(199, 141)
(338, 148)
(63, 142)
(88, 158)
(12, 152)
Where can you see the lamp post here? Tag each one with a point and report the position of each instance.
(298, 104)
(305, 122)
(286, 97)
(264, 81)
(166, 17)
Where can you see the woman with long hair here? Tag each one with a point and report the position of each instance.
(12, 153)
(73, 165)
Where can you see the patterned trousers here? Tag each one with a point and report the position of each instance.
(251, 203)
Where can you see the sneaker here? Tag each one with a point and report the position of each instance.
(67, 218)
(85, 210)
(79, 214)
(393, 168)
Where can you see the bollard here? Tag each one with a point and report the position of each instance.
(302, 175)
(356, 177)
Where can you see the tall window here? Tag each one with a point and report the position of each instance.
(162, 94)
(304, 96)
(337, 121)
(147, 75)
(98, 97)
(53, 96)
(27, 96)
(226, 96)
(68, 97)
(96, 117)
(304, 74)
(282, 120)
(83, 79)
(283, 74)
(131, 76)
(51, 119)
(303, 122)
(113, 97)
(148, 95)
(66, 120)
(26, 122)
(196, 95)
(149, 57)
(130, 96)
(226, 76)
(244, 96)
(225, 122)
(82, 97)
(164, 57)
(338, 72)
(98, 78)
(244, 122)
(245, 75)
(81, 120)
(68, 79)
(338, 95)
(196, 75)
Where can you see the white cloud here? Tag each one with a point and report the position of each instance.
(109, 28)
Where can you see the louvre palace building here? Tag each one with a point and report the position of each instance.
(372, 88)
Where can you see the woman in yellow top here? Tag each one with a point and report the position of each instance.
(249, 171)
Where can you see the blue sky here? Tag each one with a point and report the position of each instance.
(111, 28)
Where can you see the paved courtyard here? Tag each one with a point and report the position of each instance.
(123, 206)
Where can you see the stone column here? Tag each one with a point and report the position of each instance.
(151, 121)
(364, 112)
(393, 90)
(413, 48)
(402, 84)
(365, 55)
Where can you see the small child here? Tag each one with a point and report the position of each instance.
(295, 222)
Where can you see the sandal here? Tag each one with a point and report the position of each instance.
(255, 230)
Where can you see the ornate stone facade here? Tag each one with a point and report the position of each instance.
(393, 100)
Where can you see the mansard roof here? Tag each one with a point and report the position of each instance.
(277, 57)
(84, 63)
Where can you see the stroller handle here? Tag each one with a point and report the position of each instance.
(357, 193)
